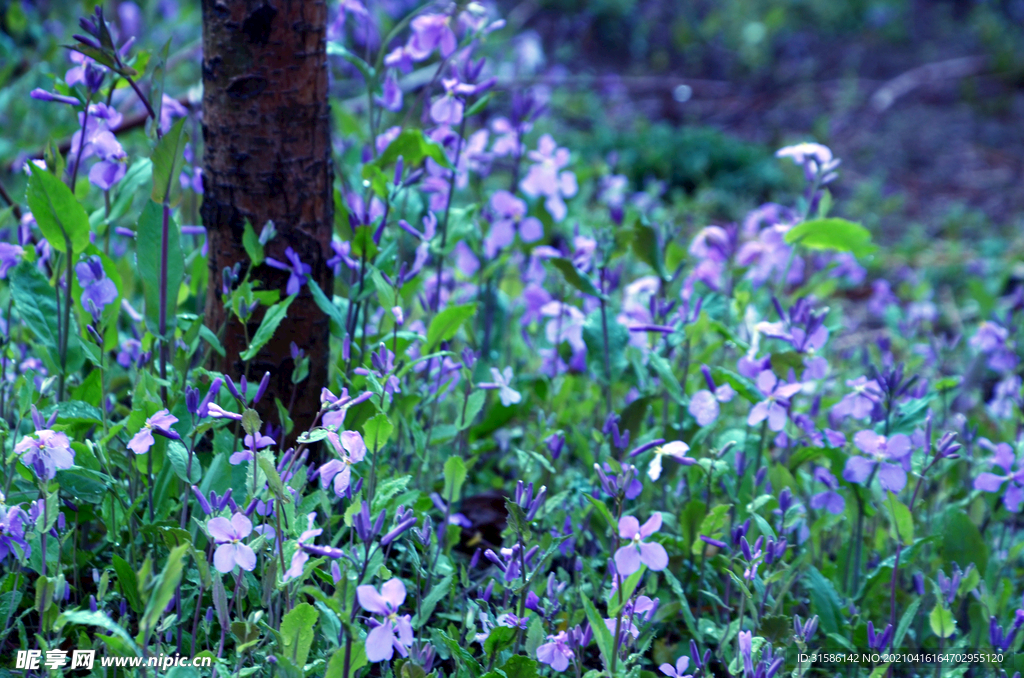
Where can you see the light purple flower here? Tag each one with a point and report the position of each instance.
(430, 32)
(675, 450)
(246, 455)
(629, 557)
(392, 99)
(46, 453)
(10, 255)
(381, 641)
(860, 402)
(704, 403)
(891, 456)
(773, 407)
(12, 532)
(546, 177)
(228, 534)
(98, 291)
(503, 382)
(556, 653)
(352, 449)
(679, 670)
(295, 267)
(993, 340)
(1005, 459)
(830, 499)
(159, 423)
(510, 213)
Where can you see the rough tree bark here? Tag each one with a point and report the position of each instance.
(267, 156)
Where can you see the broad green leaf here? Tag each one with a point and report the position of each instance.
(474, 403)
(439, 591)
(602, 635)
(902, 521)
(575, 278)
(336, 667)
(905, 621)
(163, 590)
(168, 157)
(297, 633)
(338, 49)
(88, 618)
(149, 261)
(251, 243)
(615, 601)
(446, 323)
(834, 234)
(454, 478)
(138, 175)
(413, 147)
(271, 319)
(941, 621)
(178, 456)
(824, 601)
(36, 303)
(327, 306)
(647, 249)
(60, 217)
(962, 542)
(128, 581)
(376, 431)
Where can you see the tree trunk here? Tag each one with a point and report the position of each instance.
(266, 132)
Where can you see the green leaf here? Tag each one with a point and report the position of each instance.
(519, 666)
(413, 147)
(251, 243)
(338, 49)
(128, 581)
(60, 217)
(454, 477)
(148, 248)
(824, 601)
(376, 431)
(446, 323)
(834, 234)
(602, 635)
(439, 591)
(271, 319)
(742, 385)
(962, 543)
(575, 278)
(36, 303)
(297, 632)
(615, 601)
(336, 667)
(87, 618)
(905, 621)
(168, 157)
(500, 638)
(474, 403)
(902, 521)
(266, 465)
(941, 621)
(178, 456)
(667, 376)
(163, 590)
(327, 306)
(139, 174)
(647, 249)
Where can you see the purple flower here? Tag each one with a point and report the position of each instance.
(170, 108)
(502, 382)
(629, 557)
(546, 178)
(510, 213)
(12, 532)
(747, 653)
(891, 457)
(159, 423)
(381, 641)
(295, 267)
(97, 290)
(990, 482)
(860, 402)
(704, 404)
(10, 255)
(816, 159)
(392, 99)
(773, 407)
(430, 32)
(246, 455)
(46, 453)
(675, 450)
(829, 500)
(993, 340)
(679, 670)
(556, 653)
(352, 449)
(228, 534)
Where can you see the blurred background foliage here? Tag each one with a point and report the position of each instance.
(688, 100)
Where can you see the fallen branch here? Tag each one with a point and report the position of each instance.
(963, 67)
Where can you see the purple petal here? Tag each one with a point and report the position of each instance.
(241, 525)
(758, 413)
(776, 417)
(371, 601)
(652, 525)
(393, 591)
(858, 469)
(628, 527)
(627, 560)
(379, 643)
(653, 556)
(220, 529)
(704, 407)
(989, 482)
(891, 477)
(224, 558)
(245, 557)
(867, 441)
